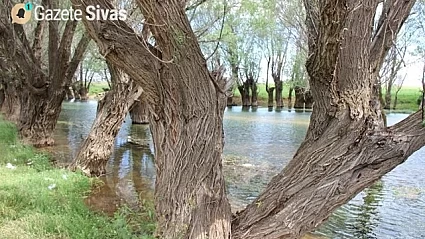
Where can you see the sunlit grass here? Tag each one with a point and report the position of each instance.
(407, 97)
(40, 201)
(97, 88)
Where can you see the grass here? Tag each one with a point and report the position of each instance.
(97, 88)
(406, 102)
(39, 201)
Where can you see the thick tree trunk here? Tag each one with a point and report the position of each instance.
(39, 114)
(84, 93)
(245, 96)
(96, 149)
(279, 90)
(346, 147)
(270, 103)
(139, 112)
(299, 97)
(308, 100)
(186, 113)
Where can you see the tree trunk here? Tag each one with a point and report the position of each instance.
(254, 96)
(244, 92)
(38, 116)
(11, 107)
(308, 100)
(291, 89)
(279, 90)
(346, 149)
(84, 93)
(299, 97)
(270, 97)
(96, 149)
(139, 112)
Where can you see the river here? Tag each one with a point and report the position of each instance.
(257, 146)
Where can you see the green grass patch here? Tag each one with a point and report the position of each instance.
(407, 98)
(40, 201)
(97, 88)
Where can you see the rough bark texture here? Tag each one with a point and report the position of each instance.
(2, 96)
(42, 92)
(96, 149)
(139, 112)
(270, 92)
(279, 89)
(186, 111)
(346, 149)
(244, 92)
(299, 97)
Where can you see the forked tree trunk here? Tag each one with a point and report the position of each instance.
(346, 149)
(245, 96)
(299, 98)
(187, 106)
(279, 90)
(94, 153)
(42, 91)
(139, 112)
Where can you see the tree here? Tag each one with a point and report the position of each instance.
(38, 88)
(96, 149)
(347, 146)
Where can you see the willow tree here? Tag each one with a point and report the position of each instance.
(36, 88)
(347, 146)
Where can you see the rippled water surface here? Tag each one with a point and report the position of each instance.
(257, 146)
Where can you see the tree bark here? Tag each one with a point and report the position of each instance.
(346, 149)
(270, 91)
(139, 112)
(42, 91)
(11, 106)
(186, 112)
(279, 89)
(299, 97)
(254, 96)
(96, 149)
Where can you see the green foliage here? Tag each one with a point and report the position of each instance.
(39, 201)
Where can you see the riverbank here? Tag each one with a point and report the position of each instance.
(38, 200)
(407, 97)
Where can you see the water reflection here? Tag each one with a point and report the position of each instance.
(258, 145)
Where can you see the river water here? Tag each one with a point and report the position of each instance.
(257, 145)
